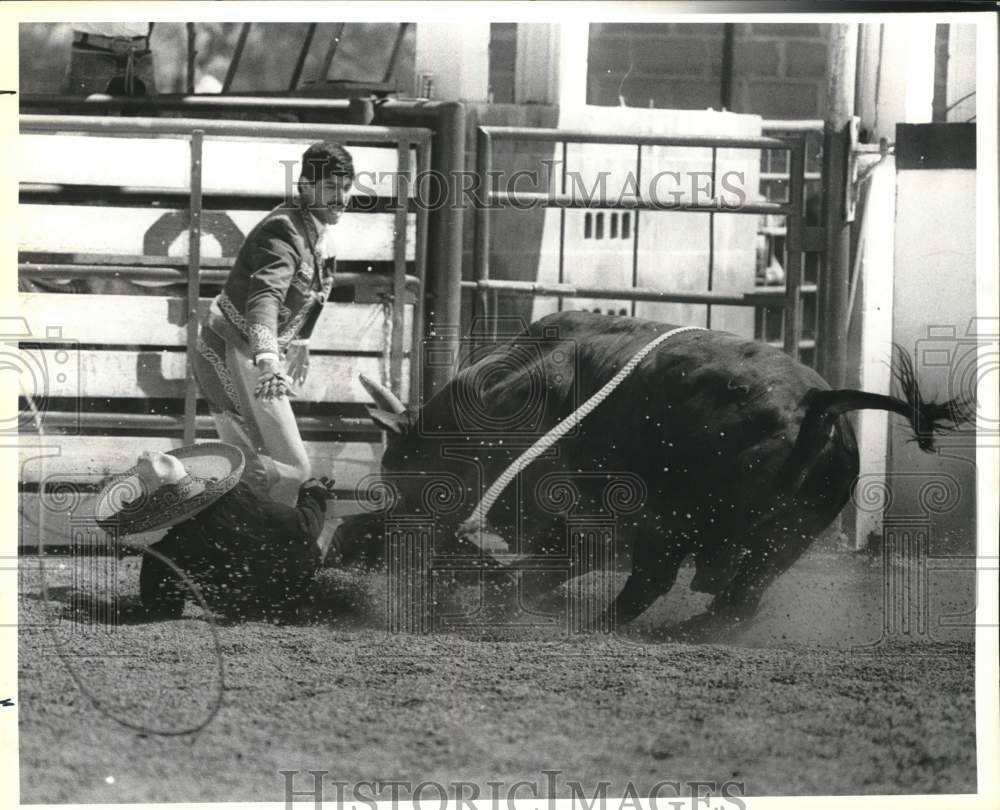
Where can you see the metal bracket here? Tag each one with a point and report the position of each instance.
(851, 188)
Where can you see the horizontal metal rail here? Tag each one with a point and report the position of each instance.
(626, 139)
(540, 199)
(769, 298)
(804, 125)
(99, 125)
(773, 176)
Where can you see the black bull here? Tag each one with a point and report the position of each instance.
(741, 454)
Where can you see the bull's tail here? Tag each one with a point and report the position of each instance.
(927, 419)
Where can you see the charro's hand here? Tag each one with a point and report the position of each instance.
(255, 472)
(298, 361)
(322, 487)
(272, 383)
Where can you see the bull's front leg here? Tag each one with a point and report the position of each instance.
(654, 572)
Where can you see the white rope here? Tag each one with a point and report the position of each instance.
(475, 522)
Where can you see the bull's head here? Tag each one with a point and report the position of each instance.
(415, 480)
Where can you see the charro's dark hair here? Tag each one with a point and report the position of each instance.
(326, 159)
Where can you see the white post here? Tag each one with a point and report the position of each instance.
(551, 65)
(536, 70)
(961, 72)
(895, 85)
(574, 49)
(452, 61)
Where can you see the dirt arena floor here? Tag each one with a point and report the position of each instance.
(807, 700)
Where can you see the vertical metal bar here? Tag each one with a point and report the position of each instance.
(445, 230)
(303, 55)
(234, 63)
(420, 269)
(793, 249)
(562, 225)
(481, 245)
(635, 226)
(495, 320)
(834, 282)
(399, 269)
(394, 56)
(711, 242)
(191, 54)
(331, 51)
(193, 285)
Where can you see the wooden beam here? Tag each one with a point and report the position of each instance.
(87, 459)
(301, 61)
(192, 53)
(155, 374)
(160, 321)
(105, 229)
(264, 167)
(331, 51)
(390, 69)
(234, 63)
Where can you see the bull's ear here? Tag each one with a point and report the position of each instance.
(394, 423)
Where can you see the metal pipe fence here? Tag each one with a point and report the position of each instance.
(189, 270)
(792, 209)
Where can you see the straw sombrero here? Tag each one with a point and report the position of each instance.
(163, 489)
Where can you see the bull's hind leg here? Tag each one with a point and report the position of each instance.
(777, 546)
(772, 552)
(763, 563)
(653, 574)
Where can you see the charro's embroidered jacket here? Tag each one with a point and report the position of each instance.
(277, 286)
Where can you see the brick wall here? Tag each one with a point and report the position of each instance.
(778, 68)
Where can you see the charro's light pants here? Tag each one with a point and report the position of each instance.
(264, 431)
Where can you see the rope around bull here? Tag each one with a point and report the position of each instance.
(472, 527)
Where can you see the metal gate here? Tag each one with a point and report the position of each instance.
(798, 240)
(131, 200)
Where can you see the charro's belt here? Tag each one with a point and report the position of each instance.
(121, 46)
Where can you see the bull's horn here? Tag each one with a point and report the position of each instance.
(383, 397)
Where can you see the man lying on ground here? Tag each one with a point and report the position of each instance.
(242, 555)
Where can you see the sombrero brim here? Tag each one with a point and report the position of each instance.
(125, 507)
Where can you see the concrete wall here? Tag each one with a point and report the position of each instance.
(934, 308)
(778, 68)
(960, 93)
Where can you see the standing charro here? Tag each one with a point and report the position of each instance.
(111, 57)
(254, 341)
